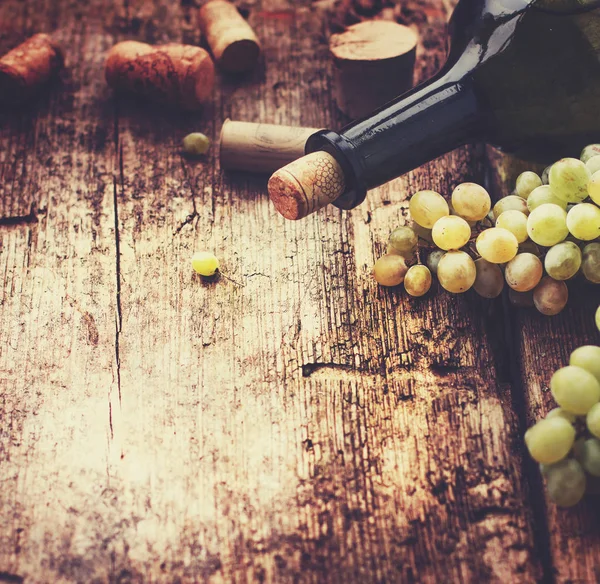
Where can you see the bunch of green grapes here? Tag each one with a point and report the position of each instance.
(533, 241)
(566, 443)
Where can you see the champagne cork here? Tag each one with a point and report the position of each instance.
(179, 75)
(261, 147)
(27, 68)
(306, 185)
(373, 64)
(232, 41)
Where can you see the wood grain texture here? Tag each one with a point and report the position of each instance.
(288, 422)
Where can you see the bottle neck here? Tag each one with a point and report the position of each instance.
(431, 120)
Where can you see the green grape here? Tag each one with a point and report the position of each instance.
(546, 175)
(575, 389)
(389, 270)
(569, 179)
(550, 440)
(195, 144)
(550, 296)
(561, 414)
(566, 483)
(530, 247)
(524, 272)
(526, 182)
(426, 207)
(590, 262)
(588, 358)
(417, 281)
(563, 260)
(593, 164)
(422, 233)
(471, 201)
(497, 245)
(547, 225)
(590, 457)
(515, 222)
(592, 420)
(451, 232)
(589, 152)
(510, 203)
(403, 240)
(583, 221)
(489, 280)
(409, 256)
(521, 299)
(433, 260)
(594, 188)
(456, 271)
(543, 195)
(205, 263)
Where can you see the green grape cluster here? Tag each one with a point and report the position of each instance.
(566, 443)
(534, 240)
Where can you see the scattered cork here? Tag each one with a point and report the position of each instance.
(232, 41)
(306, 185)
(179, 75)
(373, 64)
(27, 68)
(261, 148)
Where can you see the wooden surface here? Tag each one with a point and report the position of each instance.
(289, 423)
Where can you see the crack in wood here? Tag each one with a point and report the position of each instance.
(31, 217)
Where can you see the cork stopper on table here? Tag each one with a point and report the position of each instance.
(373, 64)
(231, 39)
(25, 69)
(306, 185)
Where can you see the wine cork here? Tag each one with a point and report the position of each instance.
(261, 147)
(373, 64)
(179, 75)
(306, 185)
(232, 41)
(27, 68)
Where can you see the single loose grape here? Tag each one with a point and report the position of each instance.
(417, 281)
(403, 240)
(497, 245)
(489, 279)
(547, 225)
(559, 412)
(526, 182)
(569, 180)
(524, 272)
(566, 483)
(583, 221)
(451, 232)
(389, 270)
(510, 203)
(588, 358)
(456, 271)
(546, 175)
(521, 299)
(550, 440)
(590, 457)
(433, 260)
(543, 195)
(592, 420)
(589, 152)
(195, 144)
(426, 207)
(590, 262)
(471, 201)
(205, 263)
(575, 389)
(593, 164)
(550, 296)
(563, 260)
(515, 222)
(594, 188)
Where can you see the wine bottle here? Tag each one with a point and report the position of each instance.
(522, 75)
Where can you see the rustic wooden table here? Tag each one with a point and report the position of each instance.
(294, 423)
